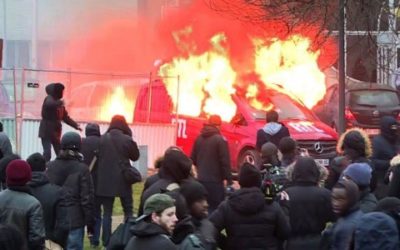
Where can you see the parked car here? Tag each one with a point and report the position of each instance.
(365, 103)
(311, 134)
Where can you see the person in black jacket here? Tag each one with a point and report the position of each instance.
(53, 112)
(273, 131)
(309, 207)
(69, 172)
(196, 199)
(210, 155)
(250, 222)
(116, 148)
(384, 147)
(155, 227)
(90, 149)
(3, 165)
(52, 199)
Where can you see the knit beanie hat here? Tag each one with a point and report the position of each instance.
(18, 173)
(249, 176)
(37, 162)
(193, 191)
(360, 173)
(214, 120)
(72, 141)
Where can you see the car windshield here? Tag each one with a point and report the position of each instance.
(287, 109)
(374, 98)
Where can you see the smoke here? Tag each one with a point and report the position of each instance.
(131, 43)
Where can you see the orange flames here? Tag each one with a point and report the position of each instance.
(116, 104)
(208, 79)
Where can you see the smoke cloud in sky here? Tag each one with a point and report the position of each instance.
(129, 43)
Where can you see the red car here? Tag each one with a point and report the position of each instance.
(318, 138)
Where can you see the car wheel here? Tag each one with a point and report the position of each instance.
(251, 156)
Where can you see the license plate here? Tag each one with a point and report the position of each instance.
(371, 131)
(322, 162)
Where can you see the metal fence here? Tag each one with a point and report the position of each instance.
(88, 97)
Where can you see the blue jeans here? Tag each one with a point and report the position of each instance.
(75, 239)
(107, 203)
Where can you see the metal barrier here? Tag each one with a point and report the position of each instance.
(88, 96)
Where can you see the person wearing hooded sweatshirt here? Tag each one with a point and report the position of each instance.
(53, 112)
(176, 168)
(273, 131)
(116, 147)
(376, 230)
(289, 150)
(308, 208)
(210, 155)
(250, 222)
(69, 172)
(52, 199)
(344, 198)
(19, 208)
(90, 149)
(355, 146)
(360, 174)
(384, 147)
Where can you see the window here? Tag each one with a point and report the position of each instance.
(17, 54)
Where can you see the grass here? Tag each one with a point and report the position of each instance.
(117, 209)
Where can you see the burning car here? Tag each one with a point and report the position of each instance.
(240, 132)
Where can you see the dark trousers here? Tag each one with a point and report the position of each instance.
(46, 143)
(127, 206)
(107, 204)
(216, 194)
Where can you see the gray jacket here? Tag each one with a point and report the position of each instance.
(24, 211)
(5, 144)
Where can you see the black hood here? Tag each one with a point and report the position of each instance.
(38, 179)
(146, 229)
(3, 165)
(386, 123)
(55, 90)
(209, 130)
(176, 166)
(92, 129)
(305, 171)
(247, 200)
(119, 122)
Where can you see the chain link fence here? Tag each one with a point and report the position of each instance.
(88, 97)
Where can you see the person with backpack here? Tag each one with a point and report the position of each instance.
(52, 199)
(250, 222)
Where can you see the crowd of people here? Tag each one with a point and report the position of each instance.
(288, 201)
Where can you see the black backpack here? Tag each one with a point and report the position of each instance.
(274, 181)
